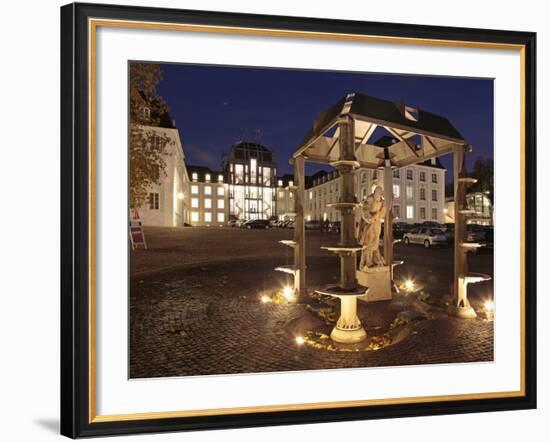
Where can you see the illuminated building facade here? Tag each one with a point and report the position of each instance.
(251, 176)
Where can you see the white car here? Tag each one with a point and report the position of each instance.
(429, 236)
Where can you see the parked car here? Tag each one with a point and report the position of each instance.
(290, 224)
(429, 236)
(313, 225)
(240, 222)
(258, 224)
(232, 223)
(334, 227)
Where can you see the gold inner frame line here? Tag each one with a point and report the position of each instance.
(93, 24)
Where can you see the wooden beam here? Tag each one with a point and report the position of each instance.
(404, 140)
(299, 229)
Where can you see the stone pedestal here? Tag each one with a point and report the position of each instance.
(378, 280)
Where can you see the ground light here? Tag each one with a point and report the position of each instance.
(288, 293)
(300, 340)
(265, 299)
(408, 285)
(489, 307)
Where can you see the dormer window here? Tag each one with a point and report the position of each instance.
(220, 178)
(194, 176)
(146, 113)
(207, 177)
(411, 113)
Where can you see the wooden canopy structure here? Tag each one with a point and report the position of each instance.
(341, 137)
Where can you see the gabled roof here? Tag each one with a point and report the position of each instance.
(436, 133)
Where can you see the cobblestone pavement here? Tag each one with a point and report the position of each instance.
(198, 318)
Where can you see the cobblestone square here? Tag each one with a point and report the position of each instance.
(195, 307)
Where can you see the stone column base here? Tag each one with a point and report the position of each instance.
(348, 336)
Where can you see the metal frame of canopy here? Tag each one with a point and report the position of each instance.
(340, 137)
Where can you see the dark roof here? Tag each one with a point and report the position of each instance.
(321, 176)
(322, 141)
(201, 172)
(245, 150)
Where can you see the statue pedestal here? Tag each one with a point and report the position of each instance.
(378, 280)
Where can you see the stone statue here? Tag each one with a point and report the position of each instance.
(373, 211)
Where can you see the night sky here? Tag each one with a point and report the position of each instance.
(215, 106)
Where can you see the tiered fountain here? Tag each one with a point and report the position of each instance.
(348, 328)
(463, 277)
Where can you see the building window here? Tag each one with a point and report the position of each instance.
(195, 217)
(422, 176)
(434, 212)
(374, 174)
(194, 176)
(409, 174)
(154, 198)
(410, 212)
(221, 204)
(280, 183)
(207, 177)
(396, 211)
(253, 170)
(422, 194)
(396, 173)
(207, 190)
(221, 191)
(410, 193)
(396, 189)
(310, 194)
(220, 178)
(221, 217)
(207, 203)
(291, 183)
(194, 190)
(194, 203)
(434, 177)
(434, 195)
(147, 113)
(207, 217)
(422, 213)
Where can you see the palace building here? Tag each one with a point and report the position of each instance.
(207, 197)
(251, 176)
(418, 191)
(165, 204)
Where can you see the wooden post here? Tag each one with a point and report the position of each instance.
(388, 220)
(460, 257)
(299, 228)
(348, 263)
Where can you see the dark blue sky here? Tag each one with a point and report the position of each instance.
(212, 105)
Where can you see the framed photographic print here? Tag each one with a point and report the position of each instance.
(279, 220)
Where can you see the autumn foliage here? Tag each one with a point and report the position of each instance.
(147, 145)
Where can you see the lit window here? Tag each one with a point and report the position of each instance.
(291, 183)
(195, 217)
(207, 177)
(280, 183)
(409, 174)
(410, 212)
(221, 204)
(434, 195)
(396, 189)
(221, 191)
(310, 194)
(396, 213)
(281, 194)
(194, 202)
(434, 212)
(154, 201)
(423, 194)
(422, 213)
(195, 176)
(194, 190)
(220, 178)
(207, 217)
(207, 190)
(410, 194)
(207, 203)
(434, 177)
(221, 217)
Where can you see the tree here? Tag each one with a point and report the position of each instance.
(483, 171)
(147, 145)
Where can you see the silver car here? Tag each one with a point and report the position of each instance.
(429, 236)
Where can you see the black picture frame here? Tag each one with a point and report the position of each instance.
(75, 219)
